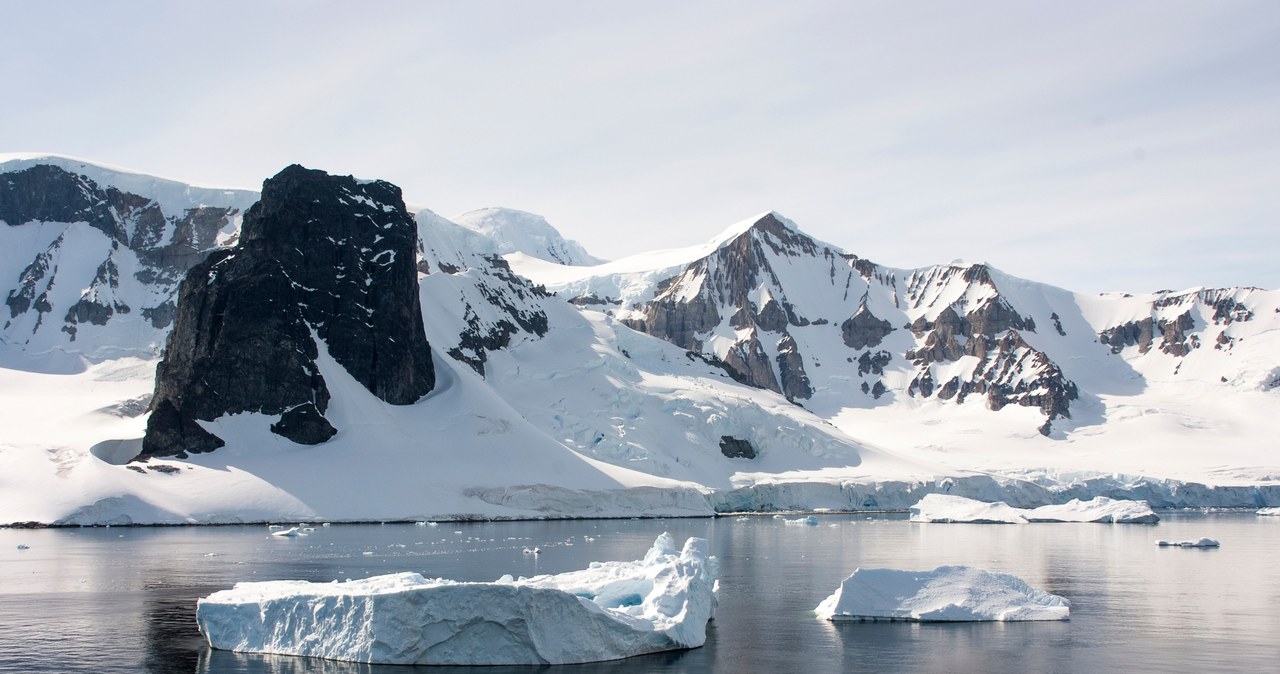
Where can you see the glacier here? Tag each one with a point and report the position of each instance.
(945, 594)
(946, 508)
(608, 611)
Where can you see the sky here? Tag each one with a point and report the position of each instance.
(1095, 146)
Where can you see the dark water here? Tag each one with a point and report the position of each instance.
(123, 599)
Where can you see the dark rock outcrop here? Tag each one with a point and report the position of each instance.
(319, 255)
(736, 448)
(795, 381)
(1142, 334)
(863, 329)
(510, 297)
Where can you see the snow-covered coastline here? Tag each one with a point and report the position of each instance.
(577, 412)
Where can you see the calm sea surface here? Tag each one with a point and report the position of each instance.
(123, 599)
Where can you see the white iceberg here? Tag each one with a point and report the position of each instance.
(1275, 512)
(945, 594)
(608, 611)
(1198, 543)
(1097, 509)
(946, 508)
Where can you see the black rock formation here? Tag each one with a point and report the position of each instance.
(736, 448)
(319, 256)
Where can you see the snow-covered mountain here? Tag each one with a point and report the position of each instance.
(90, 257)
(763, 369)
(520, 232)
(935, 358)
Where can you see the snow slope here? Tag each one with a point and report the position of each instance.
(461, 452)
(517, 231)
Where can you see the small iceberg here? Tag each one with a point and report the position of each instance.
(809, 521)
(945, 594)
(291, 532)
(1273, 512)
(609, 611)
(944, 508)
(1199, 543)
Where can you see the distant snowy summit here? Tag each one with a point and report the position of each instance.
(520, 232)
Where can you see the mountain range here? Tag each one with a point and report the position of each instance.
(179, 354)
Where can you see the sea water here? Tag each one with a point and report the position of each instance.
(123, 599)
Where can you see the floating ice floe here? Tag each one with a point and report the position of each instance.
(610, 610)
(1275, 512)
(809, 521)
(945, 594)
(291, 532)
(1199, 543)
(946, 508)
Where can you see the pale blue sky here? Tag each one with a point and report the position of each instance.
(1091, 145)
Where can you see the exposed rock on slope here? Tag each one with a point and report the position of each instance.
(477, 304)
(85, 247)
(318, 255)
(773, 305)
(736, 289)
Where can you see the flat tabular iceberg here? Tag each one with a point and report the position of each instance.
(945, 594)
(946, 508)
(1198, 543)
(608, 611)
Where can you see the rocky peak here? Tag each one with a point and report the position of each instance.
(319, 256)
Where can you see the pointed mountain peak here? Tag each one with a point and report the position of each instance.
(771, 221)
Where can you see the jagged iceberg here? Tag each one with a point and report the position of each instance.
(946, 508)
(945, 594)
(608, 611)
(1269, 511)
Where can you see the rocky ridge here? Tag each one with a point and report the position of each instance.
(104, 247)
(781, 311)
